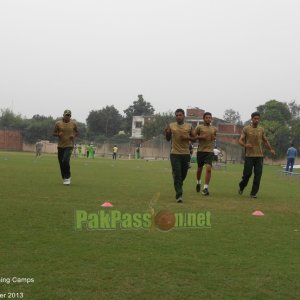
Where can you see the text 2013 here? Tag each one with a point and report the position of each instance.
(12, 295)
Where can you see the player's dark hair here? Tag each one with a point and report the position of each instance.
(255, 114)
(207, 114)
(179, 110)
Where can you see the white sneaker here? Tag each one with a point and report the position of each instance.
(67, 181)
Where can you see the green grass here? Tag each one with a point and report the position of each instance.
(239, 257)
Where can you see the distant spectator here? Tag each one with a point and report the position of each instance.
(137, 151)
(291, 156)
(216, 154)
(79, 150)
(75, 150)
(38, 148)
(91, 151)
(115, 151)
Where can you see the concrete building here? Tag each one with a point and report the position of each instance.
(138, 123)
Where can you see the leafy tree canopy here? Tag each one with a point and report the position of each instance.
(106, 121)
(275, 110)
(157, 125)
(232, 116)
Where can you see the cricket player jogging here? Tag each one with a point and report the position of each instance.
(180, 133)
(206, 134)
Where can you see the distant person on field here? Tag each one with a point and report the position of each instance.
(38, 148)
(87, 149)
(91, 151)
(79, 150)
(252, 138)
(115, 151)
(217, 152)
(137, 151)
(179, 133)
(66, 131)
(75, 150)
(206, 134)
(291, 156)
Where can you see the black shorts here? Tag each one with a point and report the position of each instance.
(204, 158)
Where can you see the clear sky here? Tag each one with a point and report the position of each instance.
(84, 55)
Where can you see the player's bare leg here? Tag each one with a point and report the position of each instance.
(207, 180)
(198, 175)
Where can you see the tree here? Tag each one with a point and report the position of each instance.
(139, 108)
(106, 121)
(294, 109)
(278, 136)
(280, 121)
(275, 110)
(9, 119)
(232, 116)
(295, 133)
(39, 128)
(157, 125)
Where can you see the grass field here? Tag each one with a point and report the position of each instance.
(239, 257)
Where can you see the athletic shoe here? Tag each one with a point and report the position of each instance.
(198, 187)
(67, 181)
(205, 192)
(179, 200)
(253, 196)
(240, 192)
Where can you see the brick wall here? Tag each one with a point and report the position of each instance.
(11, 140)
(230, 128)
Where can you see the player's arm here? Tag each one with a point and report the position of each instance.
(56, 131)
(75, 133)
(242, 141)
(168, 133)
(214, 138)
(193, 135)
(202, 136)
(199, 135)
(190, 136)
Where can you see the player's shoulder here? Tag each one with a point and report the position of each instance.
(188, 125)
(73, 122)
(199, 126)
(247, 128)
(58, 123)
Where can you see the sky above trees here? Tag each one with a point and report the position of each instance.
(83, 56)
